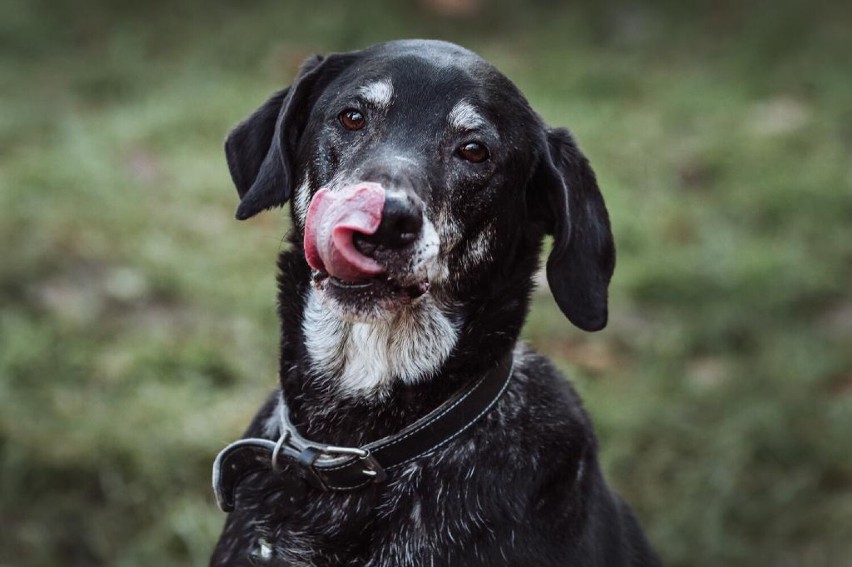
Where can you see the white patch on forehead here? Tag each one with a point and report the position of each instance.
(465, 116)
(378, 93)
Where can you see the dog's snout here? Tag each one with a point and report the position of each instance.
(401, 224)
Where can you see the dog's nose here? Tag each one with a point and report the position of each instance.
(402, 221)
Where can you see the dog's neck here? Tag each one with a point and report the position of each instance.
(364, 359)
(382, 376)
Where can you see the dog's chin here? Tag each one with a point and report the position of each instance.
(368, 300)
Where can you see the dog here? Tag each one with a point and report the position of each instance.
(411, 427)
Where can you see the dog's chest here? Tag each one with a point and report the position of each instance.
(422, 514)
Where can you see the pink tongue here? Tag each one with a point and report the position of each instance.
(332, 221)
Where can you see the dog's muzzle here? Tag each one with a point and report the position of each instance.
(331, 223)
(350, 232)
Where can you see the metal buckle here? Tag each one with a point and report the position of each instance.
(306, 454)
(306, 460)
(277, 450)
(373, 469)
(309, 455)
(332, 450)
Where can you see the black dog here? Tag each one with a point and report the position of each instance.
(422, 185)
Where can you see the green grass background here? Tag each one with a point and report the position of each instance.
(137, 333)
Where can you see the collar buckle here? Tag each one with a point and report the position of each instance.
(305, 454)
(306, 459)
(334, 468)
(373, 469)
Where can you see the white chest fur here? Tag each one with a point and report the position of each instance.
(364, 358)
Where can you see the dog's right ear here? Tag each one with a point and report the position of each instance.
(260, 149)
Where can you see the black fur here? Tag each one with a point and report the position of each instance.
(583, 258)
(523, 486)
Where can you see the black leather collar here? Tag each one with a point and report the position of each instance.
(327, 467)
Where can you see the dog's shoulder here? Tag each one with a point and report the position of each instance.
(545, 398)
(550, 438)
(535, 448)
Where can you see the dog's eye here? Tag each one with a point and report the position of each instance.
(473, 152)
(352, 119)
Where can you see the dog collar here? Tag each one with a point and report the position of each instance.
(332, 468)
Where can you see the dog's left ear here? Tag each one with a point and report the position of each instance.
(567, 200)
(260, 149)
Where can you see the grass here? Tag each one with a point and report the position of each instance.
(137, 333)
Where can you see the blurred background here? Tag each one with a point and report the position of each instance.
(137, 327)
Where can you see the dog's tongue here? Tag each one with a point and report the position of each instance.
(333, 219)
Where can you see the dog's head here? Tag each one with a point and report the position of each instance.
(413, 164)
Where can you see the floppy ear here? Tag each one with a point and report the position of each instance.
(260, 149)
(570, 204)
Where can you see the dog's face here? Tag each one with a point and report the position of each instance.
(413, 165)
